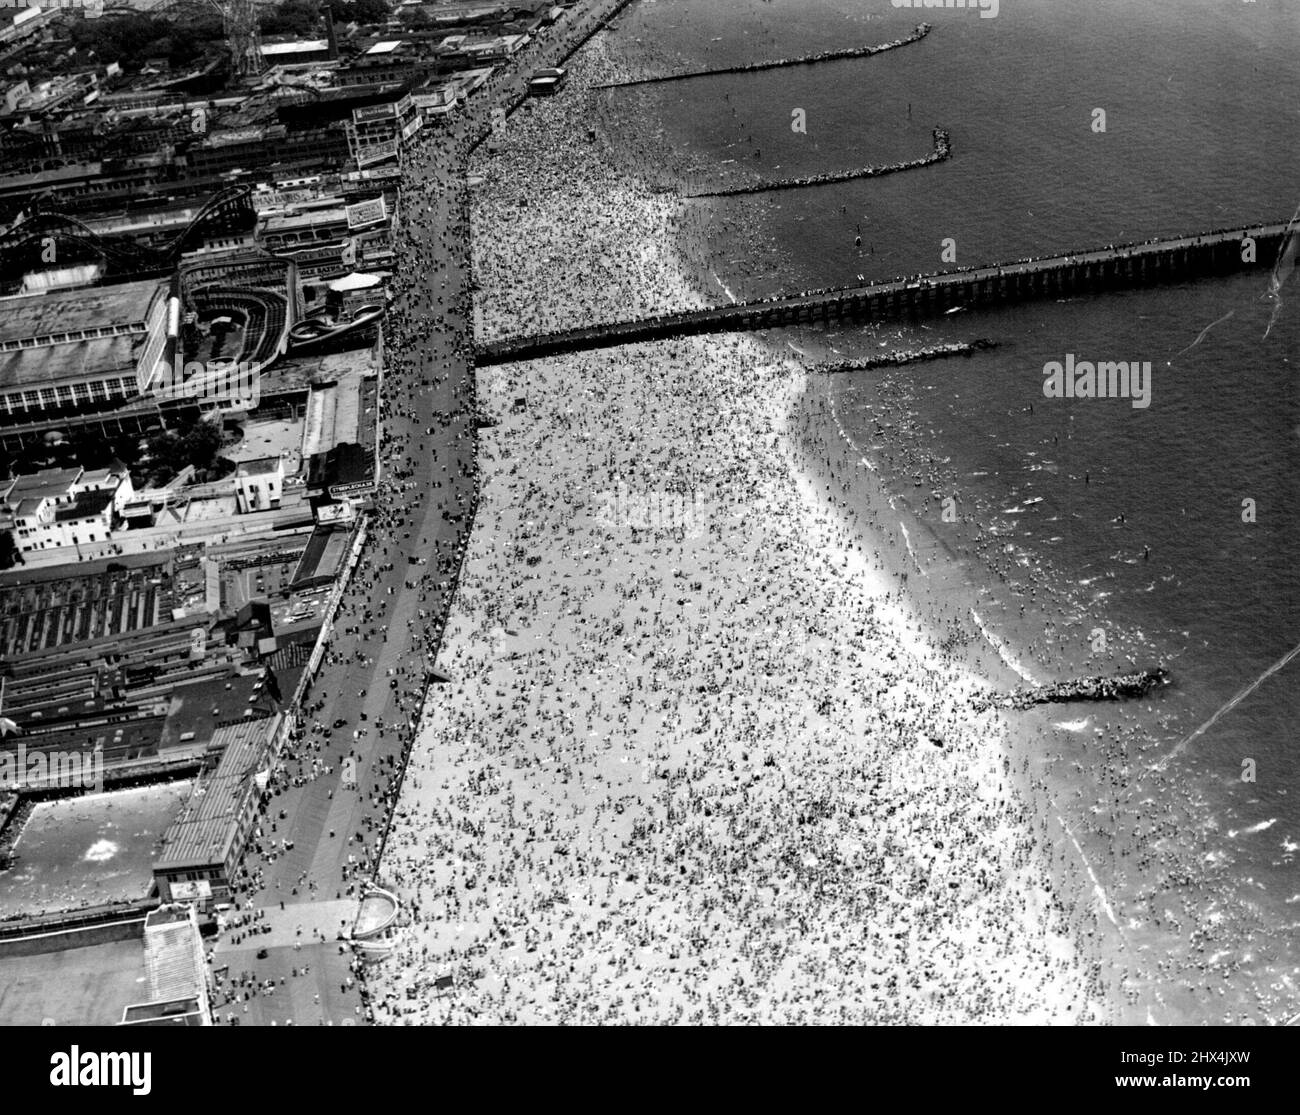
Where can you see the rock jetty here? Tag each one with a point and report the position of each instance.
(922, 29)
(906, 356)
(1121, 687)
(942, 150)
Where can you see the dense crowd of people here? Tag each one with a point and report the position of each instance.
(702, 768)
(411, 552)
(701, 760)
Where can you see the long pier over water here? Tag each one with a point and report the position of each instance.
(1114, 267)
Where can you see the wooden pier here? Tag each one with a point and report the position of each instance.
(1093, 271)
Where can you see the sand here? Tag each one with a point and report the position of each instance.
(700, 760)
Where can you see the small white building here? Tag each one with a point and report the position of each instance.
(259, 484)
(65, 507)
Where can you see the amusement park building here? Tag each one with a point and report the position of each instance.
(74, 350)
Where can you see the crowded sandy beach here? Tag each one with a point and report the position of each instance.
(699, 758)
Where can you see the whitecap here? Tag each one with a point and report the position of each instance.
(1233, 833)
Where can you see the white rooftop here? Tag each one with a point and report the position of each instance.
(354, 281)
(301, 46)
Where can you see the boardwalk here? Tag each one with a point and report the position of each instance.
(1112, 267)
(329, 833)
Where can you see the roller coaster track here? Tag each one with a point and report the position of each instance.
(69, 231)
(43, 222)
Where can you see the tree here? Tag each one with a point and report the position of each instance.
(132, 38)
(169, 451)
(359, 11)
(289, 17)
(8, 550)
(162, 452)
(415, 19)
(200, 445)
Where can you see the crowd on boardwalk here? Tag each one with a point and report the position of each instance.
(391, 615)
(404, 575)
(697, 759)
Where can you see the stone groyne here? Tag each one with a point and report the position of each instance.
(922, 29)
(942, 150)
(906, 356)
(1121, 687)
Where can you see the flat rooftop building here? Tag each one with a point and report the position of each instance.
(204, 844)
(297, 51)
(68, 350)
(71, 987)
(323, 559)
(341, 435)
(175, 971)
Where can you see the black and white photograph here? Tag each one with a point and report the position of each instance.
(650, 513)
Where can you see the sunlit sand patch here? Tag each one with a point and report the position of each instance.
(101, 851)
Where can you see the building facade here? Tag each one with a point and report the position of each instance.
(202, 849)
(377, 133)
(259, 484)
(65, 507)
(69, 351)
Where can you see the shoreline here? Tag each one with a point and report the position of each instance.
(938, 595)
(988, 659)
(720, 809)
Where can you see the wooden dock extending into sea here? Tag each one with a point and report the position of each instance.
(1096, 270)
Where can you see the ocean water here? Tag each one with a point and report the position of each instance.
(1074, 517)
